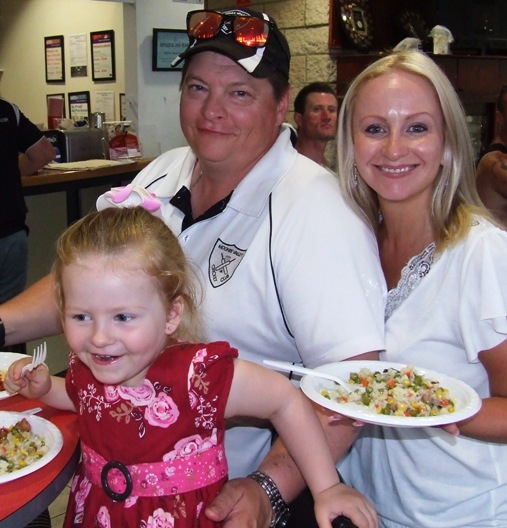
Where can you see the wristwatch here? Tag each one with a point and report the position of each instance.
(280, 509)
(2, 334)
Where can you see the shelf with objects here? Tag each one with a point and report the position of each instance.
(360, 31)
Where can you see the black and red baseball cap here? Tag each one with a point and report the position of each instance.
(250, 38)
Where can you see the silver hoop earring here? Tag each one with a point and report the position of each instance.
(355, 180)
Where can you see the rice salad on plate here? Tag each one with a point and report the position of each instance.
(20, 447)
(395, 392)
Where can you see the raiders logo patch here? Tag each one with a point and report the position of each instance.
(223, 261)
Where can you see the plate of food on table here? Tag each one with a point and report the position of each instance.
(392, 394)
(27, 443)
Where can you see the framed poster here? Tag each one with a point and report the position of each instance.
(78, 53)
(56, 101)
(79, 105)
(55, 59)
(104, 103)
(103, 59)
(167, 45)
(55, 104)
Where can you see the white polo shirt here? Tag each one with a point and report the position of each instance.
(289, 271)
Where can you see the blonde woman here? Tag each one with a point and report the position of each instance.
(406, 166)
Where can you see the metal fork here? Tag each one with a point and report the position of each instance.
(298, 369)
(39, 356)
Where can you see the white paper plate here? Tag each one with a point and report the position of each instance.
(466, 400)
(43, 428)
(6, 358)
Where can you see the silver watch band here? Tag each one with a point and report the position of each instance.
(279, 507)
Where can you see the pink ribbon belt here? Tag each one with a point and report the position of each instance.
(182, 474)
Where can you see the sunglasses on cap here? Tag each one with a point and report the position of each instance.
(249, 31)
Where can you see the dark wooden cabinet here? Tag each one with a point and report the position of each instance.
(477, 79)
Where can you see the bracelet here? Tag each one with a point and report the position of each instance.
(2, 334)
(278, 505)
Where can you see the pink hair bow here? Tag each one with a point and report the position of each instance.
(130, 196)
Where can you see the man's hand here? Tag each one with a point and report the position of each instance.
(242, 502)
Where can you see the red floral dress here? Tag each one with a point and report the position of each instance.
(167, 435)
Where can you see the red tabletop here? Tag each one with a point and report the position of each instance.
(25, 498)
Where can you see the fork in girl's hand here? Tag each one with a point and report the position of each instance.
(39, 356)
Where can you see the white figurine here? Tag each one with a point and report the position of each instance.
(442, 37)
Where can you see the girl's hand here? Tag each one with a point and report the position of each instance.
(32, 385)
(343, 500)
(13, 382)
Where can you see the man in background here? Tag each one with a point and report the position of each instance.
(23, 151)
(500, 141)
(492, 167)
(315, 114)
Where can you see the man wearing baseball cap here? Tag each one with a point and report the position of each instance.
(288, 270)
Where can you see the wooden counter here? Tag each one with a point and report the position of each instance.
(71, 182)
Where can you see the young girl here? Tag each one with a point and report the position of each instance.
(151, 403)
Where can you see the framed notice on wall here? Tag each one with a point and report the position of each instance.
(79, 105)
(56, 104)
(103, 60)
(167, 45)
(55, 59)
(55, 109)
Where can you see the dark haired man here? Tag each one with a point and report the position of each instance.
(315, 114)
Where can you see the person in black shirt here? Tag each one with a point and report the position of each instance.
(23, 151)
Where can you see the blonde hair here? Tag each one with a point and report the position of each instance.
(133, 235)
(455, 199)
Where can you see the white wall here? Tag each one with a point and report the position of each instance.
(158, 92)
(23, 26)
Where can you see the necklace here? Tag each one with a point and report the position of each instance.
(197, 180)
